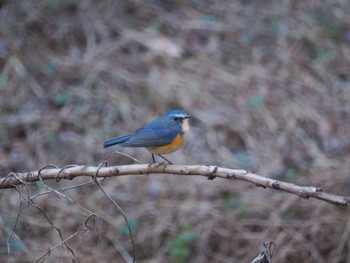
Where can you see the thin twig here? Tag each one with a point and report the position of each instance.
(47, 217)
(14, 226)
(63, 242)
(104, 161)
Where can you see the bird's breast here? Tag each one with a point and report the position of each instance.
(168, 148)
(179, 141)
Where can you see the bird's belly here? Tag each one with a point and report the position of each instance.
(169, 148)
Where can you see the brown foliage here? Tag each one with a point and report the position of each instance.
(267, 83)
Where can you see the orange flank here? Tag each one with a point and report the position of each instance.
(169, 148)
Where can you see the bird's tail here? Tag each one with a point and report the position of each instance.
(116, 141)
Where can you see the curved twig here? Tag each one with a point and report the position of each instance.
(104, 161)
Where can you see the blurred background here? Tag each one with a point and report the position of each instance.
(267, 84)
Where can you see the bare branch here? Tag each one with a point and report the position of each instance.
(208, 171)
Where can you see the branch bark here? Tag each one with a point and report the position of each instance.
(209, 171)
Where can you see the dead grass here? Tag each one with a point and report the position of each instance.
(268, 86)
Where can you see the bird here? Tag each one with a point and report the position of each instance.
(163, 135)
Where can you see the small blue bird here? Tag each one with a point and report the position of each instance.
(161, 136)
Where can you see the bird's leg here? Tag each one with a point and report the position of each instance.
(165, 159)
(154, 160)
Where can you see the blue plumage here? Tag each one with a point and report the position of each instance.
(159, 133)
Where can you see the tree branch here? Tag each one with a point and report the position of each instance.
(209, 171)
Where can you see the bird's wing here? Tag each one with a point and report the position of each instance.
(116, 141)
(151, 136)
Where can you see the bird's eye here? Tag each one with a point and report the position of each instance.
(176, 118)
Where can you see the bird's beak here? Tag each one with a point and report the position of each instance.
(187, 117)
